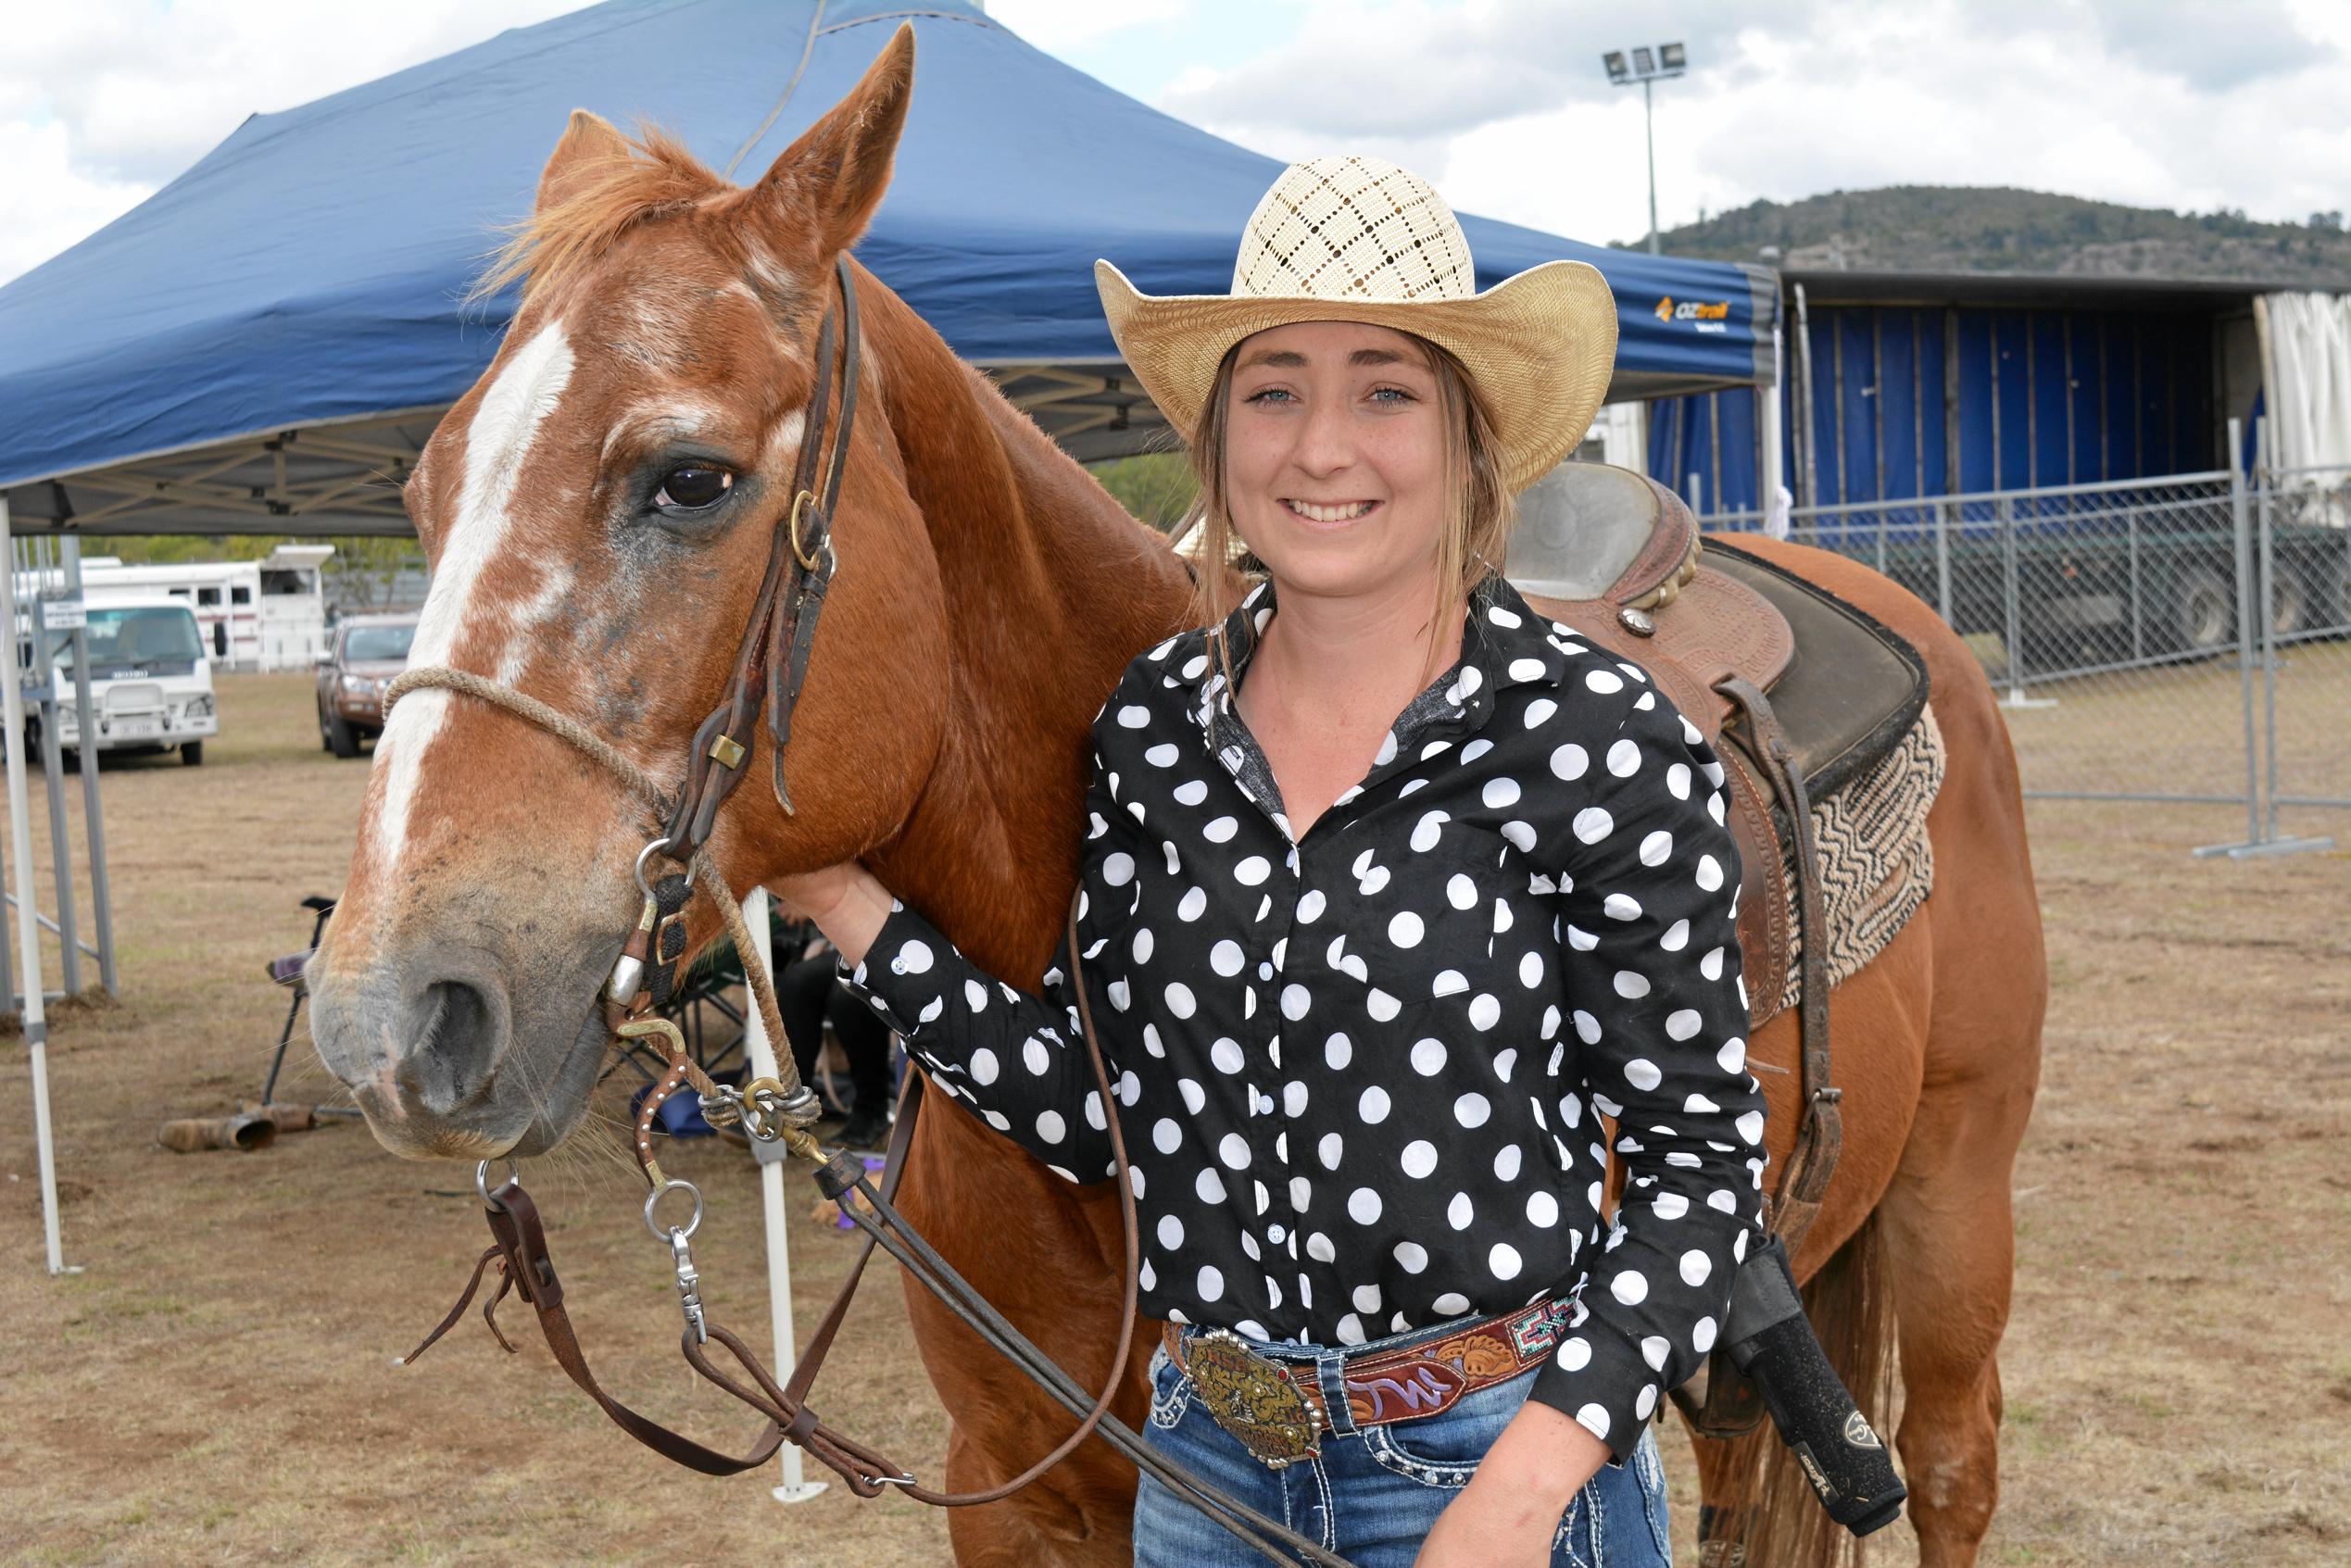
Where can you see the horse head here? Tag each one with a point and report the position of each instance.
(599, 511)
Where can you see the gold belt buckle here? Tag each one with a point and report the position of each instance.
(1250, 1397)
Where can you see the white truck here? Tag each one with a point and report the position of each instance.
(150, 679)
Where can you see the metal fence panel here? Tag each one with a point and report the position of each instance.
(2304, 537)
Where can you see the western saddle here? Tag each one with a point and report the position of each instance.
(1617, 557)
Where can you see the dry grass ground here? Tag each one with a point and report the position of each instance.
(218, 1385)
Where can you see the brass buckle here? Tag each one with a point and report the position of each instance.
(1250, 1397)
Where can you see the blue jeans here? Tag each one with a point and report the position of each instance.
(1373, 1493)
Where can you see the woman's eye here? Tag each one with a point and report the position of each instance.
(1391, 394)
(1270, 395)
(692, 487)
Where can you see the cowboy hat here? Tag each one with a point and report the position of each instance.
(1355, 239)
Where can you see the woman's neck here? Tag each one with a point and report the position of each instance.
(1355, 661)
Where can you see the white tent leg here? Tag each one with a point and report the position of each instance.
(37, 1024)
(760, 1053)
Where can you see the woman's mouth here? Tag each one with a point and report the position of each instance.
(1327, 514)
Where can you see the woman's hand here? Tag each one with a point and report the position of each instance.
(1510, 1510)
(847, 902)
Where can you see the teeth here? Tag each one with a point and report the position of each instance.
(1330, 514)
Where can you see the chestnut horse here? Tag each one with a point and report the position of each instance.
(988, 595)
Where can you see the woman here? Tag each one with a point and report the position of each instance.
(1391, 889)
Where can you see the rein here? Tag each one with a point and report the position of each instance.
(782, 1109)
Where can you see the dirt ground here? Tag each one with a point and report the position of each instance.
(217, 1384)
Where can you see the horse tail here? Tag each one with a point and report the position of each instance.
(1767, 1506)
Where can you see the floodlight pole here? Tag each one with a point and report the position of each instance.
(1649, 118)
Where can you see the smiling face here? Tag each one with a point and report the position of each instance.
(1335, 473)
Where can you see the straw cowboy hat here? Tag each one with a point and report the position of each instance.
(1355, 239)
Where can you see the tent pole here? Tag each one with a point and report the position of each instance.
(1767, 410)
(759, 1055)
(92, 820)
(37, 1024)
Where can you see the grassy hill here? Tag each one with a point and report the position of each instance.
(1994, 229)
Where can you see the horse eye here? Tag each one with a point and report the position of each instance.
(693, 487)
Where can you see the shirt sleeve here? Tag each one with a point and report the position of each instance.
(1648, 913)
(1018, 1059)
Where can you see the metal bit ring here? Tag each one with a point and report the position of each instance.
(482, 1181)
(693, 1221)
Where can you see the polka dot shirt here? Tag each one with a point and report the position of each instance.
(1362, 1074)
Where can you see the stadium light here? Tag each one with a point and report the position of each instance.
(1648, 67)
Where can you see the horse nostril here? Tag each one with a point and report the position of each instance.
(449, 1062)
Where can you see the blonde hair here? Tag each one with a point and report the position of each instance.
(1476, 537)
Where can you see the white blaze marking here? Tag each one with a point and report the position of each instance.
(497, 444)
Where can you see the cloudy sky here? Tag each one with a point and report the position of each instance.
(2185, 104)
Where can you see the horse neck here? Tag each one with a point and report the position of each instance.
(1050, 589)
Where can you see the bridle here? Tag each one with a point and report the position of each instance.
(771, 665)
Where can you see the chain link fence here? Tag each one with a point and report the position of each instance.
(2184, 638)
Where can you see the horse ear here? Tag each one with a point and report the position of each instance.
(840, 166)
(589, 144)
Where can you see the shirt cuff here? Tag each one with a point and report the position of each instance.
(1600, 1380)
(904, 974)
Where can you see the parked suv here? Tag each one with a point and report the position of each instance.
(367, 653)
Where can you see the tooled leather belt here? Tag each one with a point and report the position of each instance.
(1277, 1409)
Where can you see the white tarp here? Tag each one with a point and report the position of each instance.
(2306, 369)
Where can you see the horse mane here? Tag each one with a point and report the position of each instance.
(641, 178)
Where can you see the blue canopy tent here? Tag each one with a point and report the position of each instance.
(264, 343)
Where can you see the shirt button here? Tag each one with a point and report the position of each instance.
(1265, 1105)
(1275, 1235)
(898, 966)
(1264, 972)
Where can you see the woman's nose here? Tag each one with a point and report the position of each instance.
(1326, 441)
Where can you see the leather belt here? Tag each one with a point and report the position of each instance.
(1277, 1410)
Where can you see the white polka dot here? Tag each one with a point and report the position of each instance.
(1191, 906)
(1624, 758)
(1631, 986)
(1296, 999)
(1253, 871)
(1167, 1135)
(1520, 835)
(1331, 1149)
(1195, 1098)
(1210, 1283)
(1591, 1418)
(1702, 1337)
(1405, 929)
(1210, 1186)
(1225, 958)
(1570, 762)
(1681, 1023)
(1632, 1288)
(1645, 1401)
(1471, 1110)
(1460, 892)
(1503, 1261)
(1642, 1075)
(1410, 1257)
(1460, 1212)
(1709, 874)
(1428, 1057)
(1677, 781)
(1711, 965)
(1695, 1267)
(1310, 907)
(1733, 1056)
(914, 958)
(1543, 1210)
(1586, 1027)
(1538, 713)
(1603, 681)
(1723, 1198)
(1420, 1157)
(1451, 1304)
(1656, 849)
(1142, 945)
(1234, 1152)
(1751, 1126)
(1293, 1099)
(1591, 824)
(1036, 1057)
(1161, 756)
(1427, 830)
(1506, 1161)
(1621, 905)
(1362, 1206)
(1226, 1057)
(1337, 1051)
(1179, 999)
(1381, 1006)
(1677, 936)
(1484, 1011)
(1220, 830)
(983, 1066)
(1191, 792)
(1530, 970)
(1670, 1205)
(1351, 1330)
(1171, 1232)
(1133, 717)
(1500, 793)
(1118, 869)
(1373, 1106)
(1319, 1248)
(1574, 1354)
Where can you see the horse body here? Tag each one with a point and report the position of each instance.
(988, 595)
